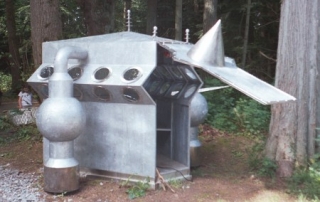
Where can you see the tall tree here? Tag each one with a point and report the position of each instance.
(45, 25)
(246, 34)
(178, 20)
(151, 15)
(13, 42)
(98, 16)
(209, 14)
(293, 125)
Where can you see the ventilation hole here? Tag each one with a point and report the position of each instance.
(131, 95)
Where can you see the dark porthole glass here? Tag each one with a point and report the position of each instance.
(101, 73)
(131, 95)
(176, 72)
(131, 74)
(190, 91)
(77, 93)
(101, 93)
(176, 89)
(156, 73)
(154, 86)
(165, 72)
(164, 87)
(46, 72)
(44, 90)
(190, 74)
(75, 72)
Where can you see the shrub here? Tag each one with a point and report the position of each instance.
(306, 180)
(231, 111)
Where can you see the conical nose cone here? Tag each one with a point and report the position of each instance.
(209, 49)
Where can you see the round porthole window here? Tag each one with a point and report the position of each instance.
(77, 93)
(75, 72)
(131, 95)
(132, 74)
(46, 72)
(101, 93)
(190, 91)
(44, 90)
(101, 73)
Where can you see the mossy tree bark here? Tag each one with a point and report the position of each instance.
(293, 125)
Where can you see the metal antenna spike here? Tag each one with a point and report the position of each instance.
(187, 35)
(155, 28)
(129, 20)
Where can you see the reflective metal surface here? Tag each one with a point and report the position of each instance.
(125, 102)
(61, 119)
(198, 113)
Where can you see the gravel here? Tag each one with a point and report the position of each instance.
(16, 186)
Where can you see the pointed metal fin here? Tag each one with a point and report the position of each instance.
(209, 49)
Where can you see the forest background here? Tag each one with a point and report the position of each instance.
(250, 31)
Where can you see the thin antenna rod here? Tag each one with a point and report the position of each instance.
(155, 28)
(187, 35)
(129, 20)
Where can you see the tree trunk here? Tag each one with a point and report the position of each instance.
(98, 16)
(13, 42)
(45, 25)
(178, 20)
(151, 15)
(293, 125)
(209, 14)
(246, 35)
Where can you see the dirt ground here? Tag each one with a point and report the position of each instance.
(224, 174)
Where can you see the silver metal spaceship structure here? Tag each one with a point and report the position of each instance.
(119, 105)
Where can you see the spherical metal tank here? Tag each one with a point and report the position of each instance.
(198, 109)
(61, 119)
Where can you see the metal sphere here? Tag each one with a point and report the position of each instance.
(60, 119)
(198, 109)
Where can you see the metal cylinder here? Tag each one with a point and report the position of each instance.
(198, 113)
(60, 119)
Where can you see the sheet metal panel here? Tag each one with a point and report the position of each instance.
(234, 76)
(119, 138)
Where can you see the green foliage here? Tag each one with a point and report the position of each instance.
(5, 123)
(10, 132)
(175, 183)
(230, 111)
(258, 163)
(27, 132)
(306, 180)
(5, 84)
(137, 189)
